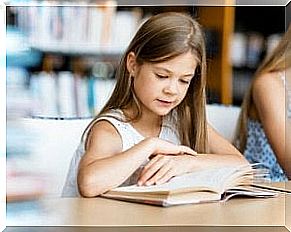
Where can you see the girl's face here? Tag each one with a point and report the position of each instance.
(160, 87)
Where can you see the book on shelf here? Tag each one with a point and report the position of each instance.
(211, 185)
(84, 28)
(81, 96)
(68, 94)
(238, 51)
(254, 49)
(43, 87)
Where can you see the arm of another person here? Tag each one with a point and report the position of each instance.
(269, 98)
(104, 165)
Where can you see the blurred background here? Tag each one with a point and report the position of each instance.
(61, 61)
(62, 58)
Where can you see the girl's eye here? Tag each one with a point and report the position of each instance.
(184, 81)
(161, 76)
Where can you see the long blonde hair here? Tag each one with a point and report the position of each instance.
(161, 38)
(278, 60)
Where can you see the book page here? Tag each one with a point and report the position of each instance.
(248, 191)
(206, 180)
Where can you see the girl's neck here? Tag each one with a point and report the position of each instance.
(148, 125)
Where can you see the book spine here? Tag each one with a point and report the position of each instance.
(66, 96)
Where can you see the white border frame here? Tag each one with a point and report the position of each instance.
(120, 2)
(3, 116)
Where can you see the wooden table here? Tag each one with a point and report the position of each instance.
(272, 214)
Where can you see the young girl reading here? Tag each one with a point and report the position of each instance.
(154, 126)
(261, 131)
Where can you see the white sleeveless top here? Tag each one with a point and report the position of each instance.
(129, 137)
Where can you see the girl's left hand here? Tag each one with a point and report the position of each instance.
(162, 168)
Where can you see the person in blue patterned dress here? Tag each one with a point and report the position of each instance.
(261, 129)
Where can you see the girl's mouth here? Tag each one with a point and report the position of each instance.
(165, 102)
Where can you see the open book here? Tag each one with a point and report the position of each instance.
(196, 187)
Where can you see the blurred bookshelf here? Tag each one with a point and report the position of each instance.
(257, 31)
(75, 47)
(62, 57)
(61, 62)
(80, 47)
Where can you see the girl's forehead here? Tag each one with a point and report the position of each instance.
(186, 62)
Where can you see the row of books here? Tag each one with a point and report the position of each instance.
(68, 95)
(248, 49)
(62, 26)
(240, 84)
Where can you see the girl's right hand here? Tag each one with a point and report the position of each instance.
(160, 146)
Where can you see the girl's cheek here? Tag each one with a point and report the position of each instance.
(185, 90)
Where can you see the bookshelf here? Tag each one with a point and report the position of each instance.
(257, 29)
(80, 42)
(219, 68)
(80, 51)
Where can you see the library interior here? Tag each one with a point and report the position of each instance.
(61, 60)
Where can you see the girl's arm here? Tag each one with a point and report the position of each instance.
(269, 98)
(162, 168)
(104, 165)
(222, 152)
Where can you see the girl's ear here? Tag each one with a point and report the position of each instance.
(131, 63)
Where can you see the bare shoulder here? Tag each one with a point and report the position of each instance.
(104, 140)
(268, 94)
(268, 82)
(267, 87)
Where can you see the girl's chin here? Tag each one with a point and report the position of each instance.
(160, 111)
(163, 112)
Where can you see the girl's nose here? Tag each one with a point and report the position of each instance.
(171, 87)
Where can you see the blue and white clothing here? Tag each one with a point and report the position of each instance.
(129, 136)
(258, 150)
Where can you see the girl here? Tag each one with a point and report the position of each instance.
(261, 130)
(154, 125)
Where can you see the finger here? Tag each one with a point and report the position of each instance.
(180, 149)
(149, 164)
(152, 170)
(168, 175)
(166, 147)
(188, 150)
(160, 173)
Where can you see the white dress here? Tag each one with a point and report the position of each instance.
(129, 137)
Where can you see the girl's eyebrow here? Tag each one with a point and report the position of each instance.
(163, 69)
(170, 72)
